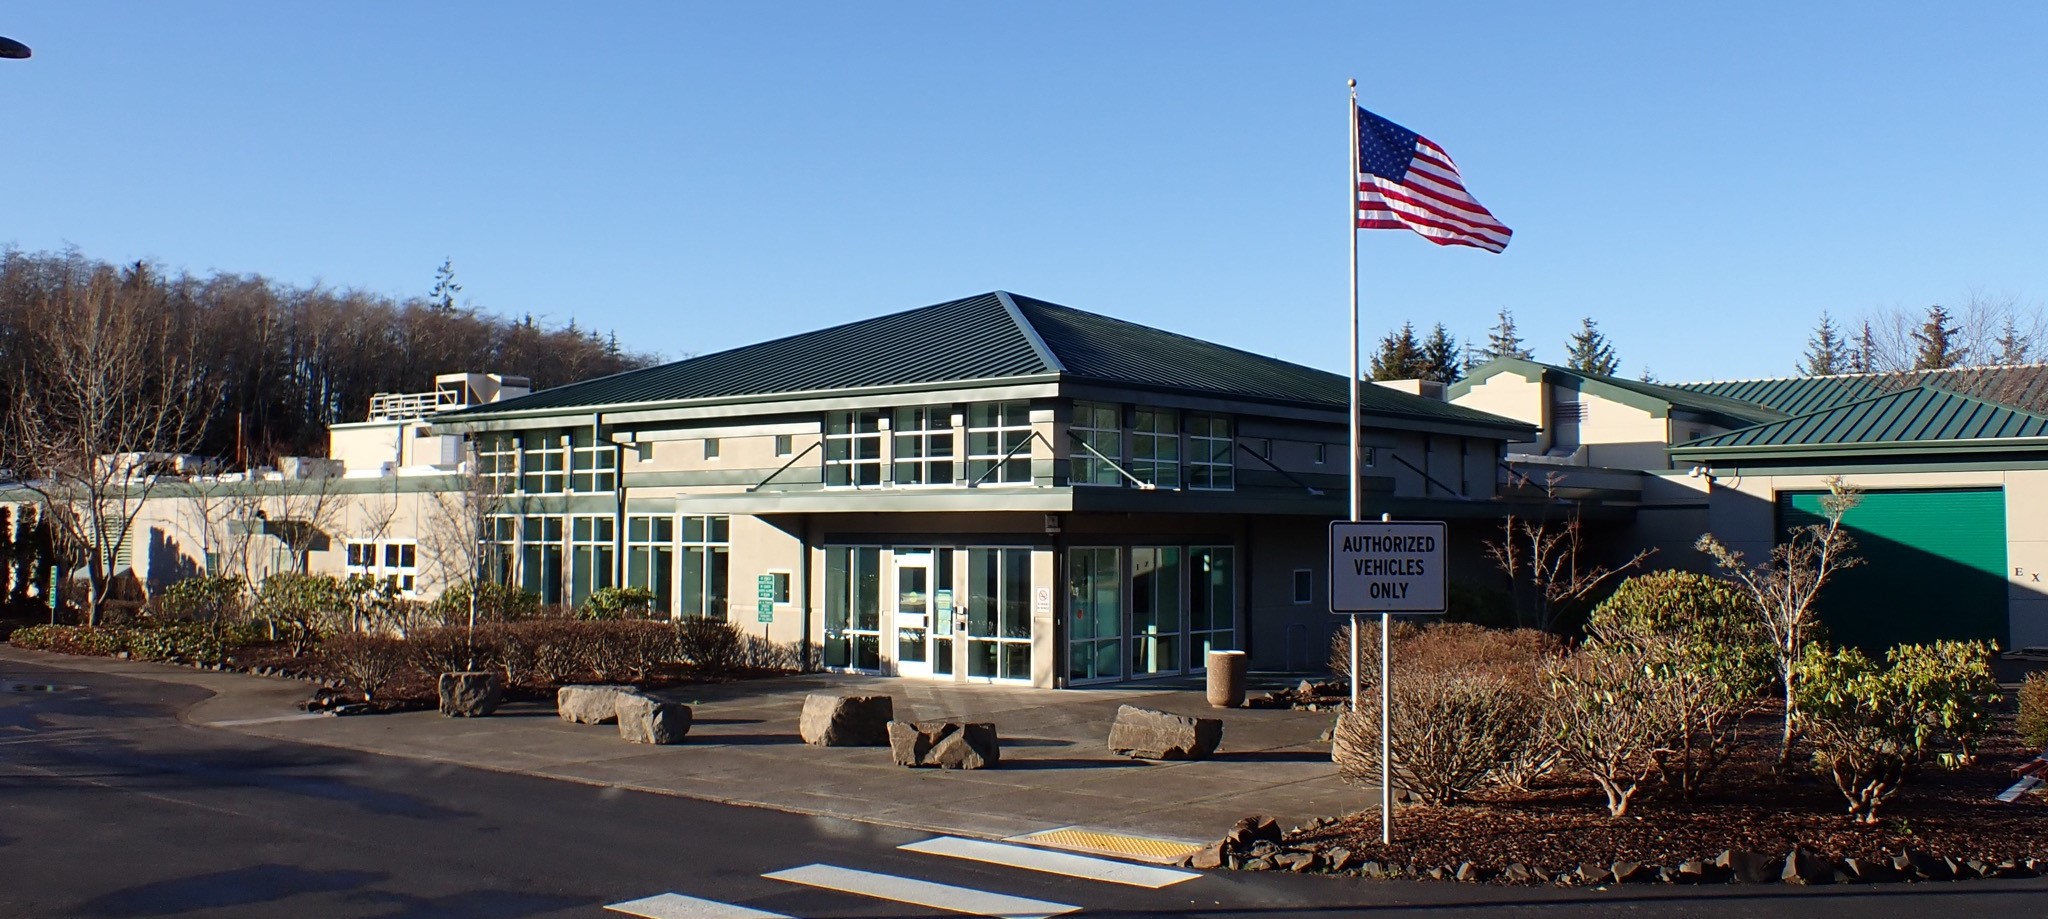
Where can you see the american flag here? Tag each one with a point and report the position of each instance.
(1405, 181)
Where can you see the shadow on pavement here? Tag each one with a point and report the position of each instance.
(223, 889)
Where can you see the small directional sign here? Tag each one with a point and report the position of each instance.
(764, 587)
(1387, 567)
(764, 611)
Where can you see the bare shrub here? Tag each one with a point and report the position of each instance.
(1465, 706)
(367, 663)
(562, 649)
(451, 650)
(627, 650)
(1604, 720)
(2033, 720)
(710, 645)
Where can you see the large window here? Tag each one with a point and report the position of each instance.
(543, 465)
(593, 464)
(1095, 621)
(999, 439)
(540, 556)
(591, 542)
(497, 461)
(1155, 447)
(1096, 427)
(706, 566)
(395, 561)
(1155, 610)
(853, 607)
(853, 449)
(924, 445)
(1209, 459)
(651, 556)
(1212, 601)
(999, 614)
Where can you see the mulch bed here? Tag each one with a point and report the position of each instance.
(1557, 827)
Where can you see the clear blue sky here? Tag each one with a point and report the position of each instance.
(1703, 179)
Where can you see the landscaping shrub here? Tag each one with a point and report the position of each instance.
(206, 599)
(710, 645)
(562, 648)
(196, 642)
(451, 650)
(2033, 721)
(1708, 662)
(366, 663)
(630, 651)
(1871, 725)
(300, 608)
(1604, 720)
(494, 603)
(618, 603)
(1465, 708)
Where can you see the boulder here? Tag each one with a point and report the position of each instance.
(1209, 856)
(645, 719)
(589, 704)
(846, 721)
(1143, 733)
(1803, 866)
(1628, 872)
(1594, 874)
(1251, 830)
(471, 694)
(944, 744)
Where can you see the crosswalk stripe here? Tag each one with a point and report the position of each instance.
(921, 893)
(1064, 863)
(677, 906)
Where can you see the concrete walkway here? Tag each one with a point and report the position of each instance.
(743, 749)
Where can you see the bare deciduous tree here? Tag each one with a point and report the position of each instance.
(1546, 566)
(1785, 586)
(456, 535)
(106, 399)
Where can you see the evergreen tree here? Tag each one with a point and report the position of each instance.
(1864, 358)
(1826, 352)
(1647, 376)
(1939, 345)
(1400, 357)
(2013, 348)
(1588, 351)
(1504, 341)
(442, 297)
(1440, 357)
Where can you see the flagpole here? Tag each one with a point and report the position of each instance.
(1351, 491)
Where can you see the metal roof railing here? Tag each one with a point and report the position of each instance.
(399, 406)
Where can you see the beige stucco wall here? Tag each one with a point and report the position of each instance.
(1619, 436)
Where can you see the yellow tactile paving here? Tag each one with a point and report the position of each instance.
(1100, 842)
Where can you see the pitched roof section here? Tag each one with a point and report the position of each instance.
(2022, 386)
(1655, 398)
(1922, 416)
(993, 336)
(968, 339)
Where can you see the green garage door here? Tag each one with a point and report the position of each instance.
(1933, 566)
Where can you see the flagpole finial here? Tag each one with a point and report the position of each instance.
(1351, 83)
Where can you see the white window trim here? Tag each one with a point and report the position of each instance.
(1079, 456)
(924, 442)
(1028, 456)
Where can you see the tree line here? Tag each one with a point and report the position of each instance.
(277, 363)
(1982, 332)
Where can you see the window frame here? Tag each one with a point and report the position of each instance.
(1218, 471)
(844, 453)
(922, 428)
(1007, 435)
(1083, 468)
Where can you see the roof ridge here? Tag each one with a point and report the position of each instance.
(1030, 332)
(2033, 365)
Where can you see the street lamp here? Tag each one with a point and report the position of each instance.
(9, 48)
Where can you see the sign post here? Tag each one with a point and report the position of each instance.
(1393, 569)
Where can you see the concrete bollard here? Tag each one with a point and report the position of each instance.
(1226, 678)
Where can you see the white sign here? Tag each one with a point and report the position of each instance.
(1384, 567)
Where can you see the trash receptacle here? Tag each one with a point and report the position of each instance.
(1226, 678)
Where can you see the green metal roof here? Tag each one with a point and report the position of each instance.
(2021, 386)
(989, 337)
(1918, 418)
(1655, 398)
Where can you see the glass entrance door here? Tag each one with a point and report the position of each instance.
(998, 614)
(911, 611)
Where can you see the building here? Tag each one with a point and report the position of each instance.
(1951, 528)
(994, 488)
